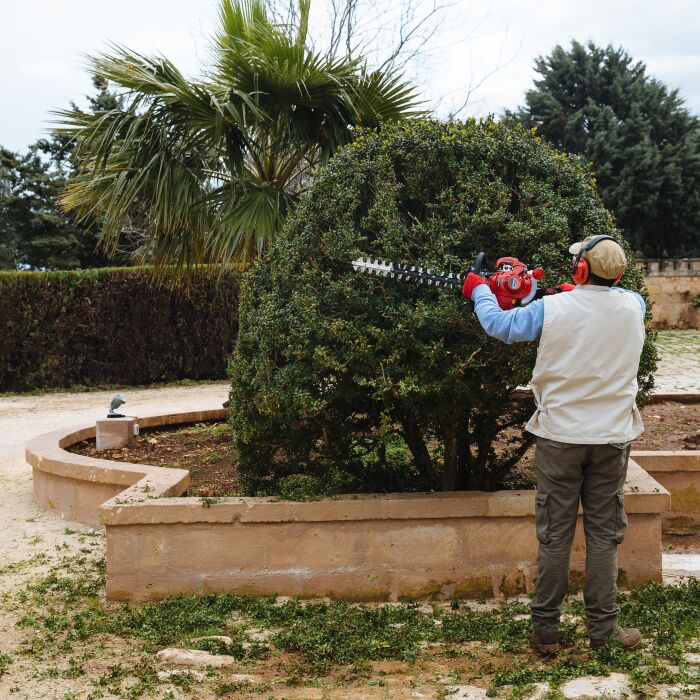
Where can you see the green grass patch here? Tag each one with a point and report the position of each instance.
(67, 607)
(5, 662)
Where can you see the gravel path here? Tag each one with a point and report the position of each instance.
(679, 362)
(23, 417)
(34, 538)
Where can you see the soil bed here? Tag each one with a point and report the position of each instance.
(205, 448)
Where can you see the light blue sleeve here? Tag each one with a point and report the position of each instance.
(519, 324)
(638, 296)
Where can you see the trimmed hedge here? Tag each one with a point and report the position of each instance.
(343, 382)
(113, 326)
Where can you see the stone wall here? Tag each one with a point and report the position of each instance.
(679, 473)
(363, 547)
(674, 286)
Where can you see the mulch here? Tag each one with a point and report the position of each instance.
(205, 449)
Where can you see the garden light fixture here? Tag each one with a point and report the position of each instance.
(117, 401)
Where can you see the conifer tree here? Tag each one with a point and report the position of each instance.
(643, 143)
(35, 231)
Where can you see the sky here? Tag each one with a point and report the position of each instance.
(488, 46)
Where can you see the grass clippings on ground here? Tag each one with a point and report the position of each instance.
(69, 631)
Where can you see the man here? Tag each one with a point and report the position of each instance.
(584, 384)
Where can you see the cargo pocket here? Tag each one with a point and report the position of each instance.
(620, 519)
(542, 517)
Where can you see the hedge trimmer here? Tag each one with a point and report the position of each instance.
(512, 283)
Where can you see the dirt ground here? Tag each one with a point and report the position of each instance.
(205, 449)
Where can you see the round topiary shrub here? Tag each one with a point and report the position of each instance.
(343, 382)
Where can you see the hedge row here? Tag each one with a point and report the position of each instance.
(113, 326)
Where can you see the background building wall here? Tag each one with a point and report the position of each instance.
(674, 286)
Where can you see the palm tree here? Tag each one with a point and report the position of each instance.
(205, 171)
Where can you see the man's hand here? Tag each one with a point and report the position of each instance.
(471, 283)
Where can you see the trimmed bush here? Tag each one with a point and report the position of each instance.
(113, 326)
(343, 382)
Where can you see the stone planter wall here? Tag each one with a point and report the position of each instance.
(679, 473)
(363, 547)
(673, 285)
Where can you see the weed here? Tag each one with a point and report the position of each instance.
(5, 662)
(245, 686)
(17, 566)
(209, 501)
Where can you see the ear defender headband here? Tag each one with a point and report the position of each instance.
(580, 267)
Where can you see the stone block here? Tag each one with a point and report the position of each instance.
(207, 547)
(258, 583)
(417, 545)
(483, 540)
(113, 433)
(318, 545)
(343, 585)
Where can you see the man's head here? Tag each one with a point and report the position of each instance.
(597, 260)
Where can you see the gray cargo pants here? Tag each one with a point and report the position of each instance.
(595, 474)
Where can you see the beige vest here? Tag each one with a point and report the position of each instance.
(585, 377)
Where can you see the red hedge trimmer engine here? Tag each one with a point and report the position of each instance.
(512, 283)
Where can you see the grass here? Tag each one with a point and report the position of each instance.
(674, 343)
(84, 389)
(5, 662)
(66, 619)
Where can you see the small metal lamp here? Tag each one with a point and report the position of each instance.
(114, 404)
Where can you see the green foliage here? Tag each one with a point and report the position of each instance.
(34, 230)
(207, 170)
(113, 326)
(366, 384)
(643, 143)
(66, 607)
(5, 662)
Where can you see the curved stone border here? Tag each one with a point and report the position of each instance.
(679, 473)
(77, 486)
(363, 547)
(660, 397)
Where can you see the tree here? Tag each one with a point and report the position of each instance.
(643, 143)
(207, 170)
(34, 230)
(344, 382)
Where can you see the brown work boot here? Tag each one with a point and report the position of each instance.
(545, 643)
(629, 638)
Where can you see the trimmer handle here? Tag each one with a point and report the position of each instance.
(478, 267)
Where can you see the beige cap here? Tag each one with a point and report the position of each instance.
(606, 258)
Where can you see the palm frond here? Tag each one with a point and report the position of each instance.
(207, 170)
(378, 97)
(248, 221)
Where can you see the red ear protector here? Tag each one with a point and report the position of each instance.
(580, 268)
